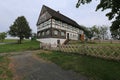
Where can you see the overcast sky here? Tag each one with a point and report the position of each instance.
(84, 15)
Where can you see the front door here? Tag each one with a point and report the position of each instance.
(67, 35)
(79, 36)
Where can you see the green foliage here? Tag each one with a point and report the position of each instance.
(99, 32)
(112, 5)
(27, 45)
(88, 32)
(116, 34)
(96, 31)
(103, 32)
(83, 2)
(20, 28)
(3, 35)
(93, 68)
(34, 36)
(10, 40)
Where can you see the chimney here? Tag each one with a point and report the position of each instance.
(58, 11)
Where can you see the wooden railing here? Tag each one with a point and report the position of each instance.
(105, 41)
(106, 52)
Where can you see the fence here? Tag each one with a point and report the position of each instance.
(106, 52)
(105, 41)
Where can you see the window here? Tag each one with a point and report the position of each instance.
(70, 35)
(56, 32)
(47, 32)
(63, 24)
(57, 22)
(62, 33)
(42, 25)
(45, 23)
(43, 33)
(70, 27)
(48, 25)
(53, 25)
(53, 21)
(49, 21)
(38, 34)
(74, 35)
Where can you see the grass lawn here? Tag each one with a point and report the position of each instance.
(93, 68)
(5, 73)
(13, 40)
(9, 40)
(26, 45)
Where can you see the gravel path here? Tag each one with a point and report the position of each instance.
(27, 67)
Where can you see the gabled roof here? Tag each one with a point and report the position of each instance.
(61, 17)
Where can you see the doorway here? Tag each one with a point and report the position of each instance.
(67, 35)
(58, 42)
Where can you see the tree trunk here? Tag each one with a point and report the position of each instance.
(20, 41)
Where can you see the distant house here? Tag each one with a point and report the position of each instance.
(55, 28)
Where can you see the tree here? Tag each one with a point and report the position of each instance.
(99, 32)
(114, 14)
(115, 34)
(103, 32)
(20, 28)
(92, 32)
(3, 35)
(88, 32)
(33, 36)
(95, 31)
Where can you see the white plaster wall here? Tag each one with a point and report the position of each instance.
(71, 36)
(52, 41)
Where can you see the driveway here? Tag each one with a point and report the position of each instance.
(26, 66)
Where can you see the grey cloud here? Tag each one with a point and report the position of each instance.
(11, 9)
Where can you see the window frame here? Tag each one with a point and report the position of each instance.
(57, 32)
(62, 33)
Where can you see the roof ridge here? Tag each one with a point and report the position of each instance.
(59, 13)
(56, 15)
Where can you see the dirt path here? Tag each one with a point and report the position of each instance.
(27, 67)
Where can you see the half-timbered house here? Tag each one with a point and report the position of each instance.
(55, 28)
